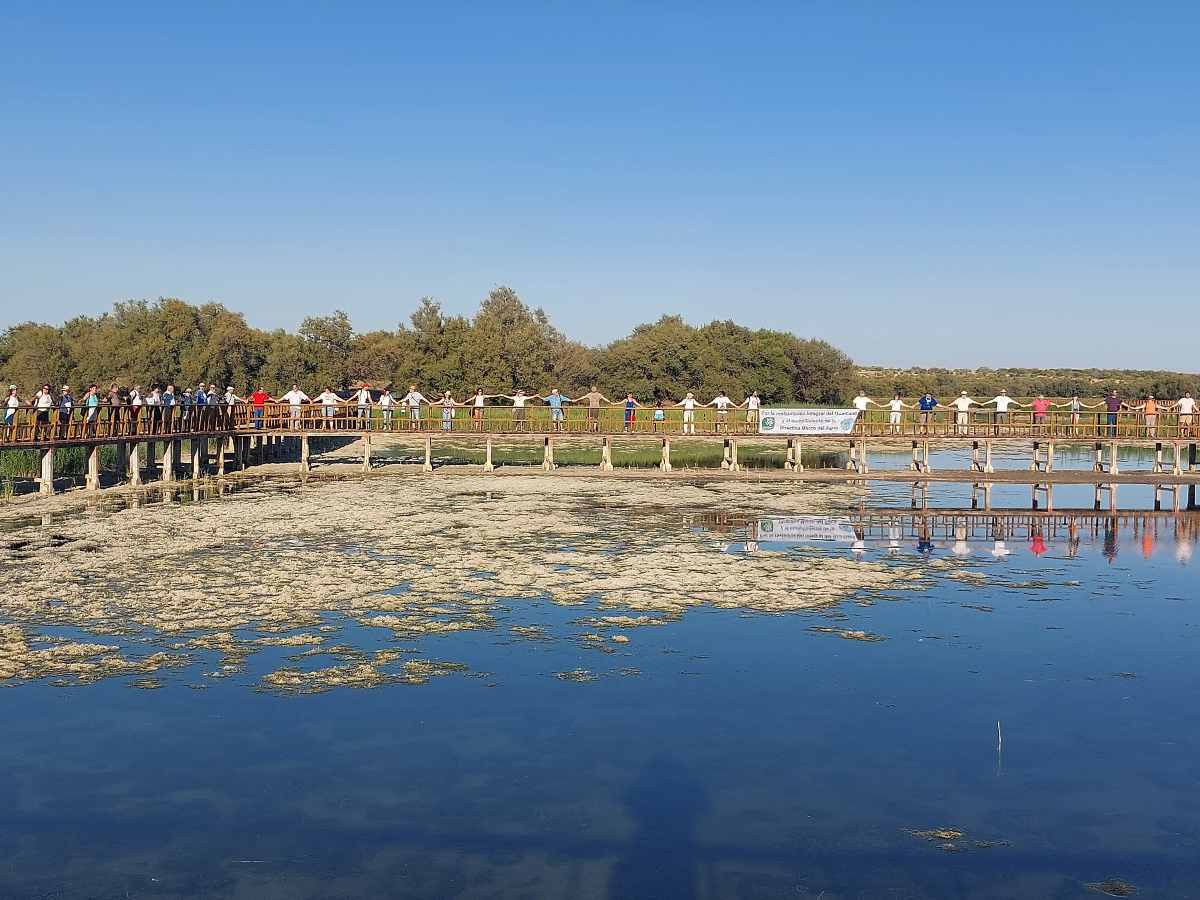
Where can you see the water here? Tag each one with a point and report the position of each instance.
(728, 752)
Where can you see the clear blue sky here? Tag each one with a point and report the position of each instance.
(920, 183)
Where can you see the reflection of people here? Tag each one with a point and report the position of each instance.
(960, 548)
(1147, 541)
(999, 550)
(1110, 541)
(1037, 544)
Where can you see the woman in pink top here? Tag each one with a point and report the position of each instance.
(1040, 407)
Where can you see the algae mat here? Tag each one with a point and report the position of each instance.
(413, 556)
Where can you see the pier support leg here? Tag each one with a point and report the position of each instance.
(852, 458)
(1050, 458)
(1177, 468)
(122, 460)
(220, 456)
(93, 468)
(606, 455)
(733, 459)
(725, 454)
(151, 457)
(304, 451)
(366, 442)
(197, 459)
(1191, 457)
(916, 457)
(487, 456)
(1114, 466)
(427, 466)
(925, 456)
(46, 481)
(789, 461)
(665, 464)
(1099, 465)
(548, 454)
(170, 460)
(1158, 456)
(864, 464)
(134, 464)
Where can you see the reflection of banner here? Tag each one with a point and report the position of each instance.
(801, 529)
(807, 421)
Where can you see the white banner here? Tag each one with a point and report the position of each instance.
(802, 529)
(807, 421)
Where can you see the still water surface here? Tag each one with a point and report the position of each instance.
(1032, 688)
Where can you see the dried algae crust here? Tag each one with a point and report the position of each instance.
(416, 556)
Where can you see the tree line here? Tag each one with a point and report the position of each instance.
(505, 345)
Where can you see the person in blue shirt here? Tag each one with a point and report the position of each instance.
(66, 403)
(91, 402)
(630, 406)
(927, 405)
(556, 400)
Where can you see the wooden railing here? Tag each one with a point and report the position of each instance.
(28, 427)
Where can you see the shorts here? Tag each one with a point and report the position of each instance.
(1001, 417)
(477, 412)
(556, 414)
(689, 415)
(894, 418)
(518, 414)
(1039, 418)
(1151, 421)
(593, 413)
(1185, 419)
(960, 418)
(414, 412)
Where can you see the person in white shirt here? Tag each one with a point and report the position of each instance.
(752, 405)
(962, 412)
(896, 408)
(1002, 402)
(1186, 407)
(387, 403)
(295, 398)
(519, 398)
(43, 402)
(449, 408)
(689, 413)
(329, 402)
(862, 401)
(362, 400)
(478, 402)
(722, 403)
(413, 399)
(11, 405)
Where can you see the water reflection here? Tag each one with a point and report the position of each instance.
(965, 534)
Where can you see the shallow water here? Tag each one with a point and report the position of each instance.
(1026, 681)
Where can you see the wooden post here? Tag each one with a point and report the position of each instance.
(46, 485)
(852, 458)
(1050, 462)
(987, 466)
(428, 466)
(1177, 469)
(916, 457)
(134, 464)
(547, 454)
(1114, 467)
(789, 461)
(799, 456)
(1099, 466)
(122, 460)
(733, 460)
(606, 455)
(1036, 465)
(197, 464)
(93, 468)
(170, 460)
(976, 465)
(665, 465)
(725, 454)
(1158, 457)
(487, 456)
(366, 442)
(304, 450)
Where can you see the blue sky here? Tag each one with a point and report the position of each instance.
(922, 184)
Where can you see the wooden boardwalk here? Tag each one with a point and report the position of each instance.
(217, 438)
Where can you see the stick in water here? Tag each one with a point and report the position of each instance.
(999, 736)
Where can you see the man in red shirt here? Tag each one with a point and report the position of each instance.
(257, 401)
